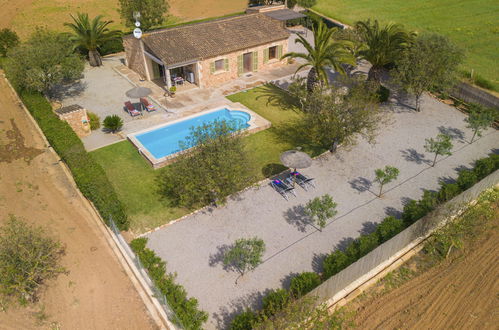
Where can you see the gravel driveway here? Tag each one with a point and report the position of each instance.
(192, 247)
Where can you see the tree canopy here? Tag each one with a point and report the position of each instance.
(480, 118)
(8, 40)
(46, 60)
(430, 62)
(91, 34)
(339, 115)
(382, 44)
(245, 254)
(216, 166)
(152, 12)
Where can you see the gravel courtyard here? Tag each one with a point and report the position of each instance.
(192, 247)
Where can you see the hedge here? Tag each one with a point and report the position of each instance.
(88, 174)
(186, 309)
(338, 260)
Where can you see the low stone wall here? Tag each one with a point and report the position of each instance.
(469, 93)
(361, 271)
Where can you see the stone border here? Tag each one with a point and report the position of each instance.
(257, 123)
(151, 303)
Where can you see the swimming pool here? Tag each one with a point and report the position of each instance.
(163, 141)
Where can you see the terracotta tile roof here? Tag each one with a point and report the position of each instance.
(213, 38)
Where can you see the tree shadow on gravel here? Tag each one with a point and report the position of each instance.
(226, 314)
(454, 133)
(296, 216)
(393, 212)
(361, 184)
(412, 155)
(218, 257)
(317, 262)
(286, 280)
(368, 227)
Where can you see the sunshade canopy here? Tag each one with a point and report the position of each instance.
(283, 14)
(138, 92)
(295, 159)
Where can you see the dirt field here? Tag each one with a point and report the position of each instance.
(462, 294)
(96, 294)
(24, 15)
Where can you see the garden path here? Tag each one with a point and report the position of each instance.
(192, 247)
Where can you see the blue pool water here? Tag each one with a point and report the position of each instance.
(164, 140)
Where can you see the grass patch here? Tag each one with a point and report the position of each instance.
(470, 24)
(137, 183)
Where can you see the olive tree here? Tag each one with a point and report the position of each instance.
(385, 176)
(245, 255)
(320, 209)
(479, 119)
(152, 12)
(28, 258)
(43, 62)
(431, 61)
(339, 115)
(215, 166)
(441, 145)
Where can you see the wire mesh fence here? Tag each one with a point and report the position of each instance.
(145, 276)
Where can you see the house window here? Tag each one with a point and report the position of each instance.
(219, 65)
(272, 53)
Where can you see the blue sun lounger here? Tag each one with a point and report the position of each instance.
(282, 188)
(304, 181)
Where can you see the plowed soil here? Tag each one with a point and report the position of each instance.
(462, 294)
(96, 293)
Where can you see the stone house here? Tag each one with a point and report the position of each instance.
(208, 54)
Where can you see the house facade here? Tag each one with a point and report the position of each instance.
(208, 54)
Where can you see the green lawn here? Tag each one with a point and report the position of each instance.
(137, 183)
(472, 24)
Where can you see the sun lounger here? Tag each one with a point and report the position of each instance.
(149, 107)
(131, 109)
(282, 188)
(304, 181)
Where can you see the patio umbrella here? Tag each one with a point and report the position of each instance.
(295, 159)
(138, 92)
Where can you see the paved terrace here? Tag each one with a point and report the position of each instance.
(193, 246)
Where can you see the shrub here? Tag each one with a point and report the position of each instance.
(8, 40)
(383, 94)
(466, 179)
(87, 173)
(113, 123)
(389, 227)
(94, 120)
(484, 167)
(244, 321)
(366, 243)
(448, 191)
(186, 309)
(111, 46)
(275, 301)
(304, 283)
(412, 212)
(27, 259)
(335, 262)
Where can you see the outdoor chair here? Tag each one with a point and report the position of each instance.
(282, 188)
(304, 181)
(131, 109)
(149, 107)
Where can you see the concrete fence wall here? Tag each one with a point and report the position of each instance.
(469, 93)
(349, 279)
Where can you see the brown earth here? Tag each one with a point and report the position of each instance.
(460, 294)
(24, 15)
(96, 293)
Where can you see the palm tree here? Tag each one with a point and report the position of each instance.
(90, 35)
(383, 45)
(322, 54)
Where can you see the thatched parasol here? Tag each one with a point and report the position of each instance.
(138, 92)
(295, 159)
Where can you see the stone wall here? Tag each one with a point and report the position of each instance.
(78, 120)
(135, 56)
(208, 79)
